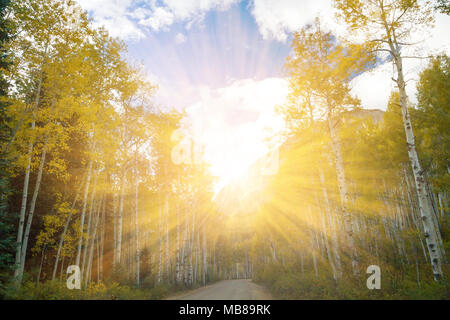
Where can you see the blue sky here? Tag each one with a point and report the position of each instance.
(224, 46)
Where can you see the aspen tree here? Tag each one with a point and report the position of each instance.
(66, 227)
(388, 24)
(31, 213)
(136, 225)
(325, 66)
(120, 216)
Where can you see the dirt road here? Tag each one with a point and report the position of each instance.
(227, 290)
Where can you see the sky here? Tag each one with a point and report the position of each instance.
(222, 61)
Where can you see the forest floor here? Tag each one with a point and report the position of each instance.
(242, 289)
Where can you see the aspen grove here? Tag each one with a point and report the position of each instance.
(94, 173)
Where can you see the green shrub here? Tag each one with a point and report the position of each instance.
(395, 284)
(57, 290)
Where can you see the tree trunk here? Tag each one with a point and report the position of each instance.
(344, 196)
(120, 218)
(205, 266)
(430, 231)
(23, 209)
(441, 206)
(89, 226)
(31, 212)
(102, 241)
(66, 226)
(83, 214)
(191, 251)
(167, 242)
(91, 243)
(136, 225)
(333, 227)
(313, 242)
(177, 266)
(40, 265)
(197, 262)
(115, 230)
(160, 262)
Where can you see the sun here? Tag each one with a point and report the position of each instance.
(231, 154)
(233, 123)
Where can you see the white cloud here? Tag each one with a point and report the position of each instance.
(158, 19)
(115, 16)
(242, 101)
(129, 19)
(374, 88)
(276, 19)
(180, 38)
(187, 11)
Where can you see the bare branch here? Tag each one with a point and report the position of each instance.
(416, 57)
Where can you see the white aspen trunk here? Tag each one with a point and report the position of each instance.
(130, 249)
(313, 242)
(191, 248)
(177, 266)
(184, 249)
(89, 226)
(196, 264)
(394, 230)
(333, 228)
(401, 226)
(205, 266)
(83, 214)
(115, 230)
(102, 242)
(167, 242)
(40, 265)
(327, 249)
(435, 215)
(136, 225)
(413, 212)
(324, 233)
(406, 206)
(214, 264)
(441, 206)
(245, 267)
(23, 208)
(31, 212)
(61, 269)
(120, 218)
(25, 185)
(98, 260)
(91, 243)
(63, 234)
(431, 233)
(432, 199)
(160, 262)
(342, 185)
